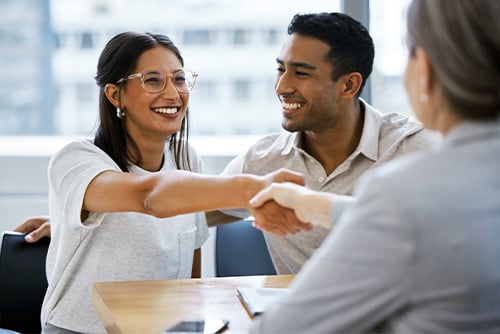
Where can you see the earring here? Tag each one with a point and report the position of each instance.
(120, 113)
(424, 98)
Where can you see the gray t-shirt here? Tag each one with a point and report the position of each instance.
(384, 137)
(117, 246)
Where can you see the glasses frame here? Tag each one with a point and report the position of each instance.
(141, 75)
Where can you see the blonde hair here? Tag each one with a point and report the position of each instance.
(462, 39)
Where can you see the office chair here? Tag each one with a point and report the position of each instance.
(241, 250)
(23, 282)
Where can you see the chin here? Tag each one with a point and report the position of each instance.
(288, 126)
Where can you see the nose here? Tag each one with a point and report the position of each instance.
(283, 84)
(169, 90)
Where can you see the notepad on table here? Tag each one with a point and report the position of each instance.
(258, 300)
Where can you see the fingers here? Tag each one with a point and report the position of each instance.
(262, 197)
(35, 228)
(285, 175)
(25, 227)
(306, 226)
(40, 232)
(282, 230)
(273, 218)
(282, 193)
(269, 229)
(31, 224)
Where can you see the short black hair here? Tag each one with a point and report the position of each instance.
(351, 46)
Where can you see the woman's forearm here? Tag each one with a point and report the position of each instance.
(178, 192)
(183, 192)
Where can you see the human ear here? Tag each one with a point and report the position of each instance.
(112, 93)
(351, 84)
(424, 72)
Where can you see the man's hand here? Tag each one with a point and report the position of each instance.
(272, 218)
(283, 175)
(35, 228)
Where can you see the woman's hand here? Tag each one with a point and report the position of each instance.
(35, 228)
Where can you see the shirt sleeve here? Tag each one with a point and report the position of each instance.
(341, 204)
(234, 166)
(422, 141)
(70, 172)
(357, 278)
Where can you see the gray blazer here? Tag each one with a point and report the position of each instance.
(418, 252)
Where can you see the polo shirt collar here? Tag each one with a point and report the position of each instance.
(369, 142)
(293, 142)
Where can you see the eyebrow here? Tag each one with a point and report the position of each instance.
(297, 64)
(163, 72)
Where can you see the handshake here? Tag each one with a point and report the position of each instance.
(282, 206)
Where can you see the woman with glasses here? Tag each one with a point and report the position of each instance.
(109, 196)
(418, 252)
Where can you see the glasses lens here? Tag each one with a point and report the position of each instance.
(184, 80)
(153, 81)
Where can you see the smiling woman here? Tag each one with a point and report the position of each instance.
(132, 197)
(126, 140)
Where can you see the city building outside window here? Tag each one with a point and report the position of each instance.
(52, 47)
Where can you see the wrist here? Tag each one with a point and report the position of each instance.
(249, 186)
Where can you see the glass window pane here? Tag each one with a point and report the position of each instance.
(388, 29)
(199, 37)
(239, 36)
(242, 89)
(52, 47)
(26, 82)
(87, 40)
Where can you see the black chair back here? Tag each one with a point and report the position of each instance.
(23, 282)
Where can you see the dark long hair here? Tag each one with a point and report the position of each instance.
(118, 60)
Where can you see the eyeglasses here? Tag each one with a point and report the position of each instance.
(155, 82)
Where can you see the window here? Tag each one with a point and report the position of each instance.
(242, 90)
(52, 47)
(239, 36)
(26, 82)
(85, 93)
(87, 41)
(198, 37)
(271, 36)
(387, 27)
(206, 91)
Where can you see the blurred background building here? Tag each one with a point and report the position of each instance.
(48, 57)
(49, 51)
(50, 48)
(26, 76)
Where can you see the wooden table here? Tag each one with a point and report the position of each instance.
(153, 306)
